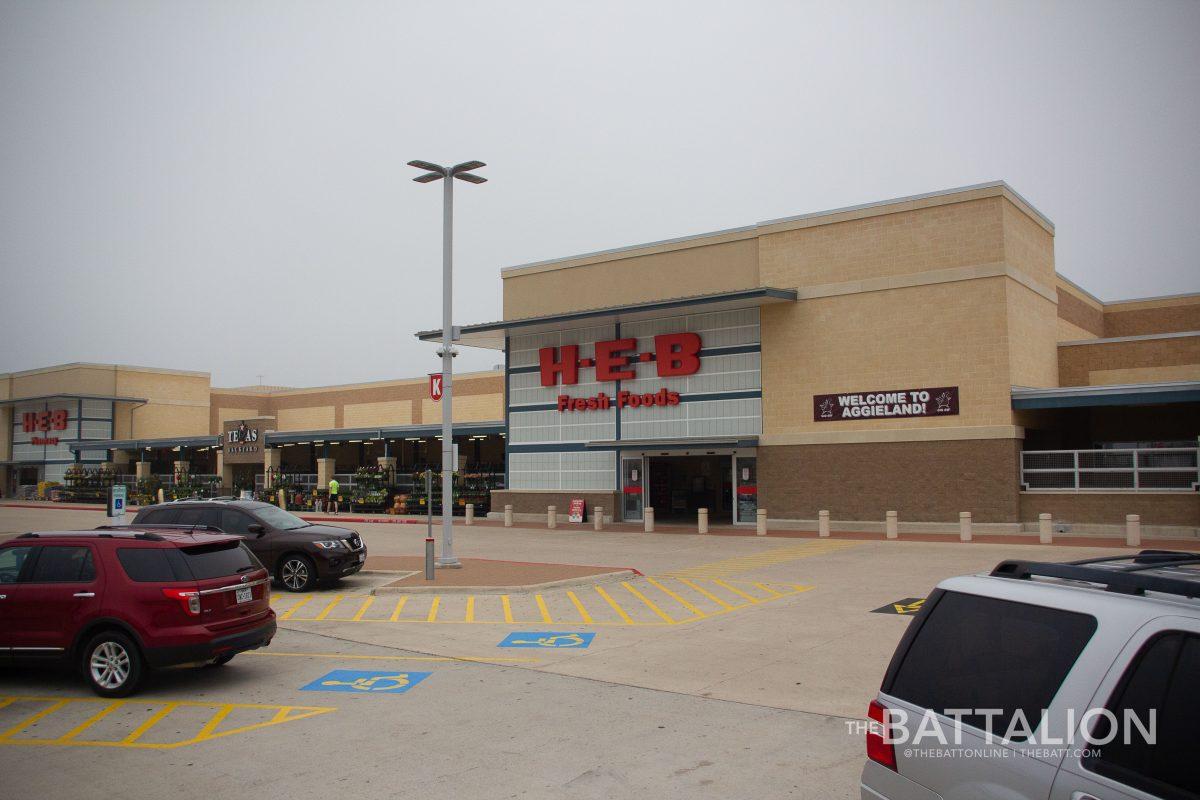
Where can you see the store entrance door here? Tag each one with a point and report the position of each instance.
(680, 485)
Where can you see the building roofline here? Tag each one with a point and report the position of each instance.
(94, 365)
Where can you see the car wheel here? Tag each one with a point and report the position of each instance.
(221, 660)
(297, 573)
(112, 664)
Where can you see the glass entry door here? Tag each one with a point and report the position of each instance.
(745, 489)
(633, 482)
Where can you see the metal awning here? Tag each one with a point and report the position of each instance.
(492, 334)
(1133, 394)
(275, 438)
(707, 443)
(69, 396)
(167, 443)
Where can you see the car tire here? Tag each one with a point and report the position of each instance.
(297, 573)
(112, 664)
(221, 660)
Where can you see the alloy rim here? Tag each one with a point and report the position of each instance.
(295, 574)
(110, 665)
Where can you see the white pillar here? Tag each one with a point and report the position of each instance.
(648, 520)
(326, 467)
(823, 524)
(964, 526)
(1045, 528)
(702, 520)
(551, 517)
(470, 514)
(892, 525)
(281, 498)
(762, 522)
(1133, 530)
(598, 517)
(508, 516)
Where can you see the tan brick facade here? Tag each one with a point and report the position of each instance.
(1136, 361)
(1172, 509)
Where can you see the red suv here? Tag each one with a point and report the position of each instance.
(116, 602)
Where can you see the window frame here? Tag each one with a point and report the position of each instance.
(26, 565)
(28, 569)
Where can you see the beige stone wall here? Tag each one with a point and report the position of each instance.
(388, 412)
(1068, 332)
(1028, 245)
(949, 334)
(1143, 317)
(1032, 337)
(158, 420)
(305, 418)
(641, 275)
(227, 413)
(1111, 377)
(467, 408)
(1110, 362)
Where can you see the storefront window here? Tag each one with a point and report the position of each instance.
(633, 481)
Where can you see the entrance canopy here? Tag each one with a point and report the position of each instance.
(679, 445)
(1136, 394)
(492, 334)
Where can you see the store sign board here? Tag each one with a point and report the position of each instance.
(241, 442)
(938, 401)
(41, 421)
(435, 386)
(576, 510)
(674, 355)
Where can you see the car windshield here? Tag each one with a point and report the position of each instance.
(279, 519)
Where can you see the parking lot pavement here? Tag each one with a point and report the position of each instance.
(730, 668)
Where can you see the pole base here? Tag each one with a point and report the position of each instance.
(449, 563)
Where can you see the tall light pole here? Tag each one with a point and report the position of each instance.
(435, 172)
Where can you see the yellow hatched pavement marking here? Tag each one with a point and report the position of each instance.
(399, 607)
(155, 718)
(665, 617)
(295, 607)
(92, 720)
(45, 712)
(676, 597)
(705, 592)
(214, 721)
(470, 615)
(583, 614)
(363, 609)
(541, 604)
(504, 601)
(620, 611)
(739, 592)
(433, 609)
(768, 589)
(337, 598)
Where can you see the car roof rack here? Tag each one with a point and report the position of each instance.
(1131, 578)
(101, 532)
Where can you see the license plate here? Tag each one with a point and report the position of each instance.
(362, 557)
(245, 594)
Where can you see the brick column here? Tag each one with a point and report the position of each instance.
(225, 471)
(326, 467)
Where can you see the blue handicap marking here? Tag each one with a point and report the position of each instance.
(119, 503)
(556, 639)
(353, 680)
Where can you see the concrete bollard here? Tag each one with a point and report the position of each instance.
(892, 525)
(1133, 530)
(160, 495)
(648, 518)
(470, 514)
(508, 516)
(823, 524)
(598, 517)
(281, 498)
(762, 522)
(1046, 528)
(964, 526)
(551, 517)
(702, 520)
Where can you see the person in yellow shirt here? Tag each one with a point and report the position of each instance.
(333, 495)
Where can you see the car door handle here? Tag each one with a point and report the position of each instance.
(85, 594)
(2, 596)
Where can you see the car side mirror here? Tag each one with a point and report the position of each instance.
(256, 529)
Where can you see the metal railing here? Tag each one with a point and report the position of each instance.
(1152, 469)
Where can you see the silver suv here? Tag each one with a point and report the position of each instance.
(1075, 681)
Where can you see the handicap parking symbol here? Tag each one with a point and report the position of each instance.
(353, 680)
(554, 639)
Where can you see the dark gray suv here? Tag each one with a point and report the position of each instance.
(299, 554)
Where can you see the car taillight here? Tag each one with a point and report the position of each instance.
(879, 749)
(189, 599)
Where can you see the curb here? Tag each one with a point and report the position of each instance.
(585, 580)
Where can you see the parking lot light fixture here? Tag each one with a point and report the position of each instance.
(435, 172)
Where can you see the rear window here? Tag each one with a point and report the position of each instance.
(161, 516)
(219, 560)
(980, 653)
(153, 564)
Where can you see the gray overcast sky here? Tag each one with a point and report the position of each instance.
(221, 186)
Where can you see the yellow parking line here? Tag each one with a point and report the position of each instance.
(155, 718)
(725, 585)
(399, 607)
(647, 601)
(677, 598)
(620, 611)
(92, 720)
(704, 592)
(363, 609)
(470, 617)
(433, 609)
(541, 604)
(288, 614)
(583, 614)
(45, 712)
(212, 724)
(766, 588)
(508, 617)
(325, 613)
